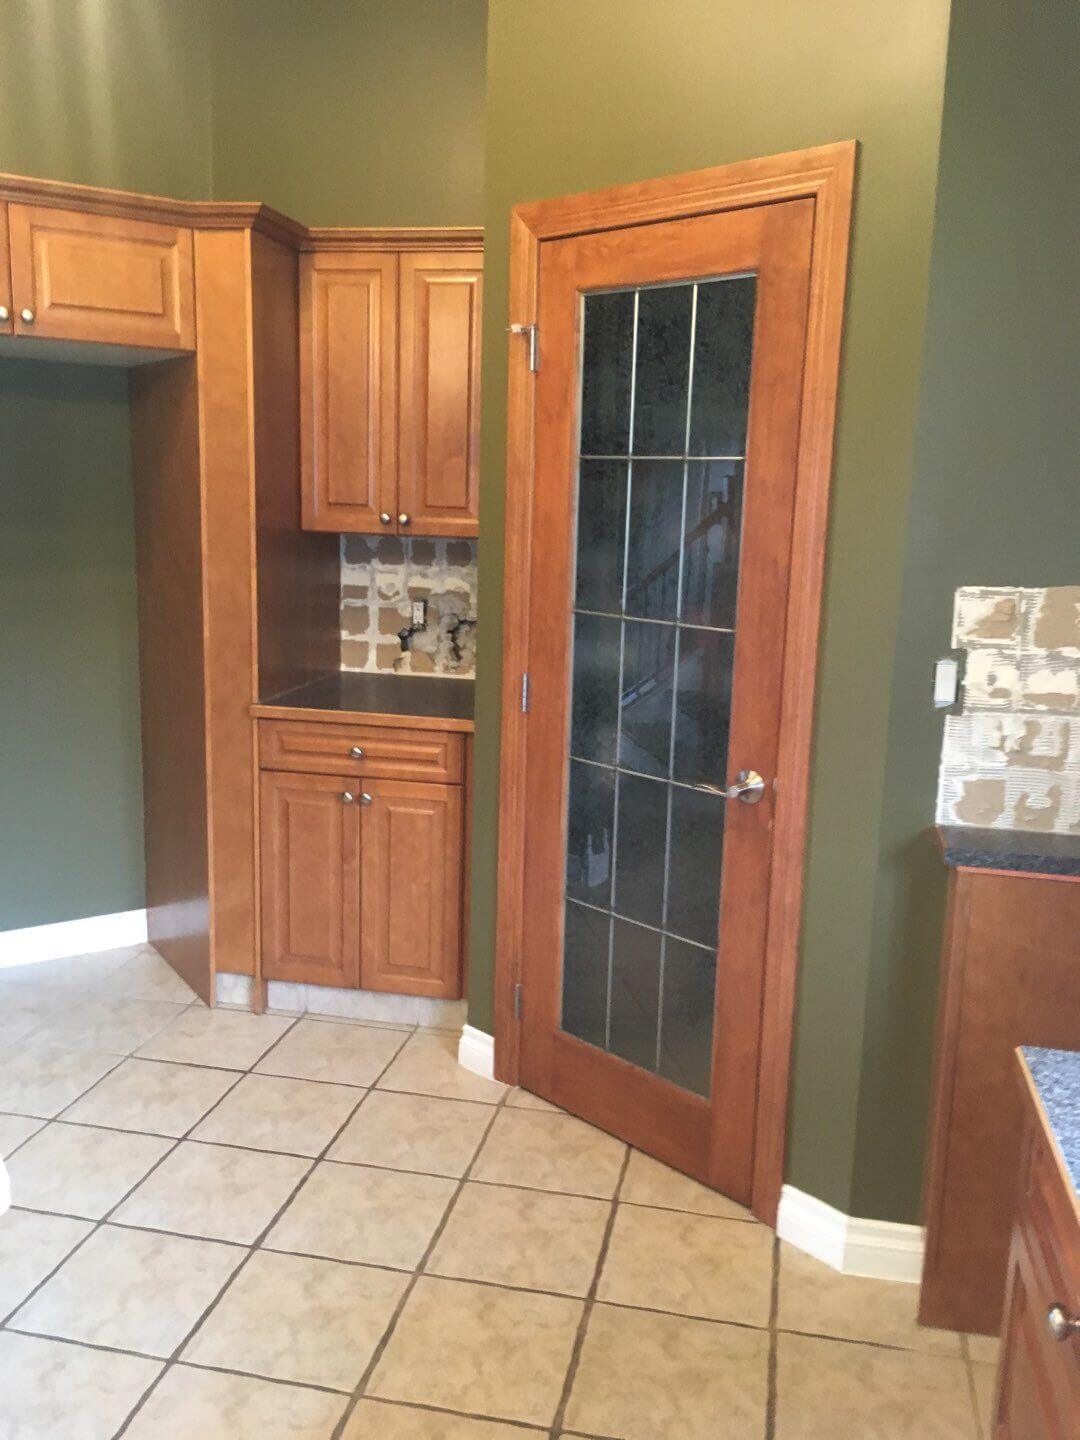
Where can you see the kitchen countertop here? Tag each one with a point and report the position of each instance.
(1056, 1076)
(348, 692)
(1031, 851)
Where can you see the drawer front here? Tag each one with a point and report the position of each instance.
(381, 752)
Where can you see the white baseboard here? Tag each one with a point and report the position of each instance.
(476, 1052)
(72, 937)
(880, 1249)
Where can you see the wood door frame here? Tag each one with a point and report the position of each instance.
(825, 175)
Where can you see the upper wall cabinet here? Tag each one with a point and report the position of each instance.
(390, 390)
(101, 278)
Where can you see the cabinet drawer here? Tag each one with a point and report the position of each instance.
(384, 753)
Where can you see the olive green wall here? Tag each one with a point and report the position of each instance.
(583, 95)
(70, 789)
(351, 112)
(994, 499)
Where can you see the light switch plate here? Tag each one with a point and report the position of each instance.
(946, 682)
(419, 614)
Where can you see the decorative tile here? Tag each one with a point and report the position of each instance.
(991, 680)
(215, 1192)
(152, 1096)
(381, 1420)
(289, 1317)
(428, 1065)
(321, 1050)
(480, 1350)
(550, 1152)
(130, 1290)
(1055, 621)
(41, 1079)
(649, 1182)
(53, 1390)
(643, 1376)
(77, 1170)
(1049, 682)
(191, 1403)
(817, 1300)
(14, 1130)
(413, 1132)
(985, 615)
(272, 1112)
(827, 1388)
(351, 1212)
(30, 1247)
(529, 1239)
(224, 1038)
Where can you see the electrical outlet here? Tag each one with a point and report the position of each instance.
(419, 614)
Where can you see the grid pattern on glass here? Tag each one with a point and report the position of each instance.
(664, 399)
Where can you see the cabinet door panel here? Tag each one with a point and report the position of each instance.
(348, 366)
(410, 870)
(310, 878)
(440, 391)
(101, 279)
(6, 322)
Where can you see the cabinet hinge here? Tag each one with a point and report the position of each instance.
(517, 1002)
(525, 693)
(532, 333)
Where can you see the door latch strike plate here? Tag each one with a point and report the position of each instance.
(525, 693)
(532, 333)
(517, 1002)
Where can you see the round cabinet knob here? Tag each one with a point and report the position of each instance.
(384, 518)
(347, 797)
(5, 314)
(356, 753)
(1062, 1325)
(403, 519)
(365, 799)
(26, 316)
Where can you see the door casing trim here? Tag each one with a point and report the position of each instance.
(825, 175)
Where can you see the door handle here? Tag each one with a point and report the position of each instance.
(749, 787)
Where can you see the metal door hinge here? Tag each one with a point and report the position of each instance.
(517, 1002)
(525, 693)
(533, 334)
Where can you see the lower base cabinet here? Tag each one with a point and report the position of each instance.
(361, 882)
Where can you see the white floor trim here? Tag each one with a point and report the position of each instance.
(476, 1052)
(72, 937)
(880, 1249)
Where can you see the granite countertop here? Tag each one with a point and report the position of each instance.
(1056, 1074)
(424, 697)
(1031, 851)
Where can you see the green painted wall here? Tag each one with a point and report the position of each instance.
(351, 112)
(585, 95)
(994, 498)
(70, 789)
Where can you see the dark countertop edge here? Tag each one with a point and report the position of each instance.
(359, 696)
(1055, 1079)
(1030, 852)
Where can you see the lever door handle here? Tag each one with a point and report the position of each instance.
(749, 787)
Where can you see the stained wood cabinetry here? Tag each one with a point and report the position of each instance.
(390, 385)
(7, 322)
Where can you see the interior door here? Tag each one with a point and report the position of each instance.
(667, 405)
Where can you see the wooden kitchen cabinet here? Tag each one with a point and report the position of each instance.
(101, 278)
(7, 323)
(390, 390)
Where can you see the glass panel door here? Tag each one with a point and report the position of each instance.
(665, 380)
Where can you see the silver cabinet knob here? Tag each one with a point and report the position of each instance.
(347, 797)
(385, 518)
(26, 316)
(1061, 1324)
(356, 752)
(5, 314)
(403, 519)
(365, 799)
(749, 787)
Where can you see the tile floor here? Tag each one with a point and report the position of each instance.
(239, 1227)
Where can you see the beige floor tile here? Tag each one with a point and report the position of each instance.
(229, 1039)
(131, 1290)
(30, 1246)
(481, 1350)
(152, 1096)
(815, 1299)
(290, 1317)
(214, 1191)
(53, 1391)
(77, 1170)
(526, 1100)
(147, 976)
(42, 1079)
(828, 1388)
(650, 1377)
(985, 1378)
(525, 1238)
(648, 1182)
(69, 972)
(550, 1152)
(983, 1349)
(108, 1022)
(413, 1132)
(428, 1065)
(272, 1112)
(382, 1420)
(23, 1009)
(689, 1264)
(325, 1050)
(351, 1212)
(15, 1130)
(193, 1404)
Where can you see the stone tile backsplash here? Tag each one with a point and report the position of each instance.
(1012, 759)
(380, 577)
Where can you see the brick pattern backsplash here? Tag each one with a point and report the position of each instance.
(380, 577)
(1012, 759)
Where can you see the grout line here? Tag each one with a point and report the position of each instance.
(590, 1301)
(771, 1391)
